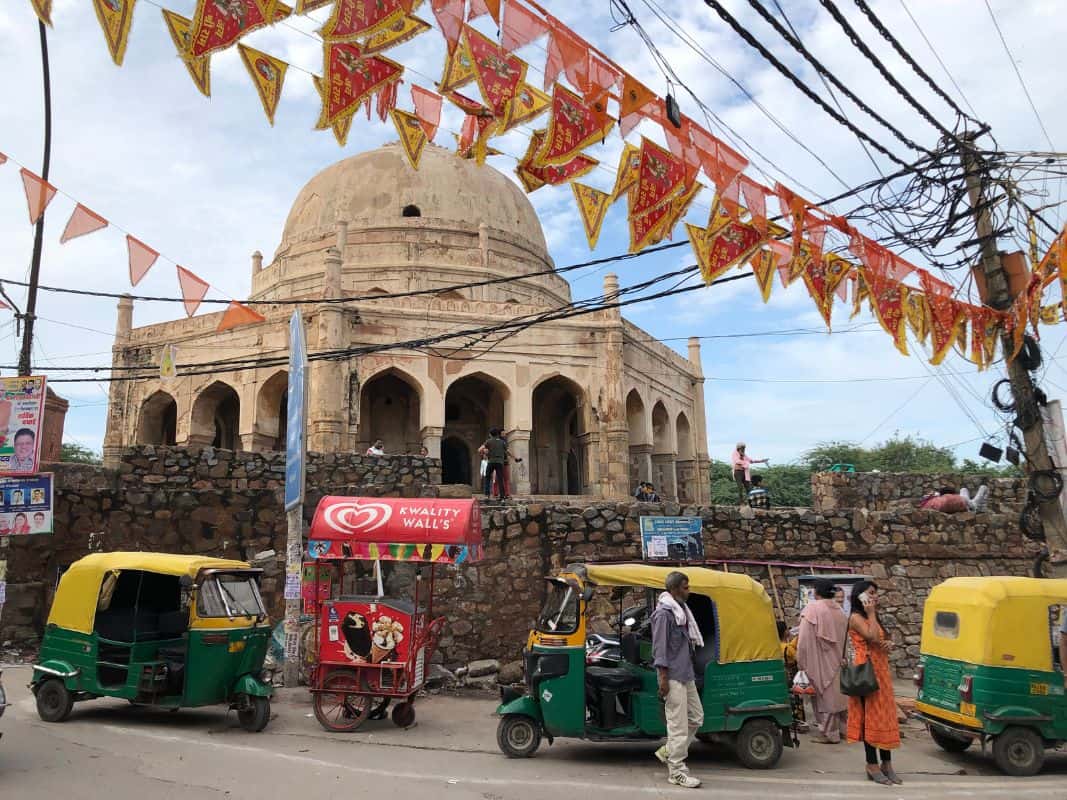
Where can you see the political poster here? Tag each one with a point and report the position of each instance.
(26, 505)
(21, 419)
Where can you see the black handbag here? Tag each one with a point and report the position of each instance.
(858, 680)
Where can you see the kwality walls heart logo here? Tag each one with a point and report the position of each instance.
(355, 517)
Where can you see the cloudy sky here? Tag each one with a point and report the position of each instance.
(206, 182)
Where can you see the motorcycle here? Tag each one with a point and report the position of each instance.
(606, 651)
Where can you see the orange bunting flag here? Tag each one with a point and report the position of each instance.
(268, 74)
(566, 53)
(822, 278)
(3, 159)
(403, 30)
(355, 19)
(633, 103)
(199, 69)
(82, 221)
(236, 315)
(629, 166)
(755, 196)
(534, 175)
(520, 26)
(497, 71)
(721, 163)
(427, 109)
(115, 17)
(718, 250)
(659, 178)
(44, 10)
(412, 135)
(592, 207)
(217, 25)
(193, 290)
(449, 15)
(350, 80)
(945, 317)
(480, 7)
(39, 194)
(459, 68)
(572, 126)
(528, 104)
(142, 257)
(387, 100)
(915, 312)
(887, 299)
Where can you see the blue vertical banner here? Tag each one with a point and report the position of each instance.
(296, 414)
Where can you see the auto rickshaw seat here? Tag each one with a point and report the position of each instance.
(614, 679)
(630, 648)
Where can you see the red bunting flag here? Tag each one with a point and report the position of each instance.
(648, 229)
(945, 316)
(350, 80)
(534, 175)
(82, 221)
(427, 109)
(355, 19)
(497, 71)
(307, 6)
(193, 290)
(217, 25)
(520, 26)
(572, 126)
(659, 178)
(480, 7)
(142, 257)
(601, 77)
(888, 299)
(719, 249)
(39, 194)
(237, 314)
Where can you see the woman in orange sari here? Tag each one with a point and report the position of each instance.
(873, 719)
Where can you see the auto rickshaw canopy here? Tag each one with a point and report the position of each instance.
(994, 621)
(430, 530)
(744, 613)
(74, 606)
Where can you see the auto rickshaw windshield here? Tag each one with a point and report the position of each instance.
(560, 612)
(229, 595)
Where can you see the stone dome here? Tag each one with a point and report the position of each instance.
(377, 189)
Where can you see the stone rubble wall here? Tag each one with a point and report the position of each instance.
(894, 491)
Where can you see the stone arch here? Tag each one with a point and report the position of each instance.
(158, 420)
(216, 417)
(686, 473)
(558, 462)
(662, 439)
(473, 404)
(411, 211)
(663, 471)
(390, 409)
(457, 460)
(639, 439)
(683, 437)
(272, 411)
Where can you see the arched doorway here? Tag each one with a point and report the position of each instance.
(216, 417)
(685, 464)
(456, 461)
(271, 413)
(158, 423)
(557, 449)
(663, 452)
(639, 440)
(389, 410)
(473, 405)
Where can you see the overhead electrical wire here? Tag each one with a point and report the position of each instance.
(933, 50)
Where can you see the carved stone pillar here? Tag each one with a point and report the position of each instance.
(640, 464)
(614, 466)
(326, 426)
(702, 466)
(519, 446)
(431, 440)
(664, 477)
(114, 437)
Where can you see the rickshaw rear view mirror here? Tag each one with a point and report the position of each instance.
(587, 593)
(185, 582)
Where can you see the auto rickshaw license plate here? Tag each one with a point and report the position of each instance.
(967, 709)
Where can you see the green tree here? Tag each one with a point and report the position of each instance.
(74, 453)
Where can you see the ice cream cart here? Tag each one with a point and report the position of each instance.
(372, 648)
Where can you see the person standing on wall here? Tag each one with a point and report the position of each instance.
(496, 456)
(675, 636)
(820, 651)
(741, 465)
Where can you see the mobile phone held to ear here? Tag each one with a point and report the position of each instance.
(865, 599)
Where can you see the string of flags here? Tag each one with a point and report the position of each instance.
(586, 96)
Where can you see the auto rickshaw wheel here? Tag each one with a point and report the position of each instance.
(341, 706)
(404, 715)
(54, 701)
(1019, 751)
(255, 715)
(759, 744)
(948, 742)
(518, 735)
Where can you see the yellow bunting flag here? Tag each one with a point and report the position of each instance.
(44, 10)
(915, 312)
(168, 363)
(592, 206)
(764, 265)
(459, 68)
(629, 167)
(268, 74)
(236, 315)
(528, 103)
(401, 31)
(199, 68)
(115, 17)
(718, 250)
(340, 127)
(412, 136)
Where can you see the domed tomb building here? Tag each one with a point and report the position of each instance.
(591, 403)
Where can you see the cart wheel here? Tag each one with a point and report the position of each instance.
(518, 735)
(54, 702)
(404, 715)
(1019, 751)
(380, 708)
(340, 707)
(948, 742)
(759, 744)
(255, 715)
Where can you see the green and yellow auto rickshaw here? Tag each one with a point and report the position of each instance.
(988, 668)
(740, 672)
(171, 631)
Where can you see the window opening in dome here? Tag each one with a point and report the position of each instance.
(411, 211)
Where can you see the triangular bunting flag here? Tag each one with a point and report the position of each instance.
(168, 363)
(915, 312)
(342, 126)
(633, 101)
(534, 175)
(480, 7)
(566, 53)
(648, 229)
(39, 194)
(217, 25)
(237, 314)
(520, 26)
(459, 68)
(427, 109)
(659, 178)
(572, 127)
(528, 104)
(629, 166)
(680, 205)
(717, 251)
(115, 17)
(354, 19)
(399, 32)
(3, 159)
(350, 79)
(412, 136)
(945, 317)
(449, 15)
(142, 257)
(592, 206)
(193, 290)
(180, 33)
(44, 10)
(81, 222)
(498, 72)
(887, 298)
(268, 74)
(764, 265)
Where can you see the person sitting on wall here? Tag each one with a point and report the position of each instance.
(641, 494)
(948, 501)
(652, 496)
(376, 449)
(758, 496)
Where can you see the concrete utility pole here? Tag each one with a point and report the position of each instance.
(1022, 386)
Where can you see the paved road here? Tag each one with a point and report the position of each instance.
(110, 750)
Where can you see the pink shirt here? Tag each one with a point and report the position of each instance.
(742, 462)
